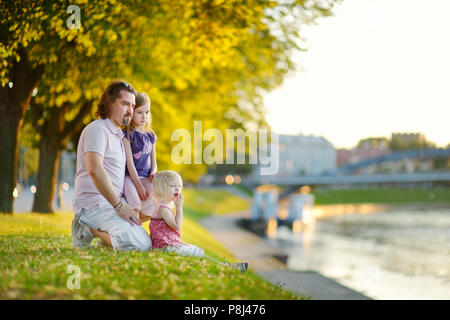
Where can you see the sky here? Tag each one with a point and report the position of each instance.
(375, 67)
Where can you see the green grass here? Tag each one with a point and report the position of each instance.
(36, 252)
(385, 195)
(244, 189)
(199, 203)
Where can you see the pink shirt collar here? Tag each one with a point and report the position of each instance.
(113, 128)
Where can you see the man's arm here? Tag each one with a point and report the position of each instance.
(94, 165)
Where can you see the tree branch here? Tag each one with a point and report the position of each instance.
(36, 114)
(71, 126)
(25, 79)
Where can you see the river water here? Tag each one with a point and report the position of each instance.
(397, 254)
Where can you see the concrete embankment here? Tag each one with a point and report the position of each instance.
(249, 247)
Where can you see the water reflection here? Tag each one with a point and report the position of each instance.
(397, 254)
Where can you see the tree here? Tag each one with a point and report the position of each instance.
(190, 56)
(36, 44)
(28, 154)
(55, 132)
(373, 143)
(14, 100)
(27, 30)
(406, 141)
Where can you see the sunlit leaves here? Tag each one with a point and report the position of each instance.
(197, 59)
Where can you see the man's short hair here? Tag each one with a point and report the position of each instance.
(110, 95)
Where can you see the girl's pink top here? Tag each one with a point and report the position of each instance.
(161, 233)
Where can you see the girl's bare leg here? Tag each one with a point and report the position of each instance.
(143, 217)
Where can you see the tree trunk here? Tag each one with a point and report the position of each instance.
(49, 156)
(55, 133)
(10, 125)
(13, 103)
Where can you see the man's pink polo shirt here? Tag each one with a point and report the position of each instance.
(102, 137)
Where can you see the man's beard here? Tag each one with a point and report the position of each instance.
(126, 120)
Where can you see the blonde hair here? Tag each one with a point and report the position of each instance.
(161, 184)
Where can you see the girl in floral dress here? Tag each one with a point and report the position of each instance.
(165, 225)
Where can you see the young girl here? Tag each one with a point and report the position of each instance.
(165, 226)
(140, 150)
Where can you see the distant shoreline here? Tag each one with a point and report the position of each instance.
(323, 211)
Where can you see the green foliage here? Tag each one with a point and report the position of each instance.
(373, 142)
(397, 145)
(407, 141)
(28, 153)
(398, 142)
(197, 60)
(441, 163)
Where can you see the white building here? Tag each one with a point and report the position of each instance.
(304, 155)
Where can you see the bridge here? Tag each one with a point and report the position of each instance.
(420, 154)
(348, 179)
(346, 174)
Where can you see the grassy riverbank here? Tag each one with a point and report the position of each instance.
(36, 254)
(200, 203)
(384, 195)
(381, 195)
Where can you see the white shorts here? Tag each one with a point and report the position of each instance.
(124, 236)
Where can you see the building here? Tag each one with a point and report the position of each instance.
(365, 150)
(304, 155)
(408, 139)
(390, 151)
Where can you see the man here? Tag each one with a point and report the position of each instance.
(99, 207)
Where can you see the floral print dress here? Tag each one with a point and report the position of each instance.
(161, 233)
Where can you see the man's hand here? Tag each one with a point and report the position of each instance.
(128, 213)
